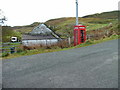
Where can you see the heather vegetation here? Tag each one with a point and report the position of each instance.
(65, 27)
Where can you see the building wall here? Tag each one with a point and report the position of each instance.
(42, 42)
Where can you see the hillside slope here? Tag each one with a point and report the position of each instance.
(104, 15)
(107, 21)
(103, 23)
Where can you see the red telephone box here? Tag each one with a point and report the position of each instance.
(79, 34)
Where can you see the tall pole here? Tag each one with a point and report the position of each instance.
(76, 12)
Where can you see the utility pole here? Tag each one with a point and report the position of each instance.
(76, 12)
(79, 30)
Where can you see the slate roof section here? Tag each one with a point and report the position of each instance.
(37, 37)
(39, 33)
(41, 29)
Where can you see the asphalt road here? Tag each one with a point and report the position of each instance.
(93, 66)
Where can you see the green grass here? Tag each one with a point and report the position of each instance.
(39, 51)
(95, 26)
(65, 26)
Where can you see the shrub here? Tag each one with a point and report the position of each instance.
(61, 44)
(113, 36)
(19, 50)
(23, 52)
(5, 54)
(88, 42)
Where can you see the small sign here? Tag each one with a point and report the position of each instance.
(82, 27)
(76, 28)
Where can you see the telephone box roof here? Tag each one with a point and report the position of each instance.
(80, 25)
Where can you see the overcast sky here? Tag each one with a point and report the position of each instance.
(25, 12)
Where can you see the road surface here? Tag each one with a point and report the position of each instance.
(93, 66)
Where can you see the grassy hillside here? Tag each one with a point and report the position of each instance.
(96, 23)
(8, 32)
(26, 29)
(104, 15)
(64, 26)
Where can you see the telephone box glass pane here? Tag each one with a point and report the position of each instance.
(82, 35)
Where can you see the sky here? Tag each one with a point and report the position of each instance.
(25, 12)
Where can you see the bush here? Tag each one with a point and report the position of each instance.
(19, 50)
(63, 44)
(55, 47)
(23, 53)
(88, 42)
(5, 54)
(113, 36)
(59, 45)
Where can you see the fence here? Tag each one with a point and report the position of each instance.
(8, 48)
